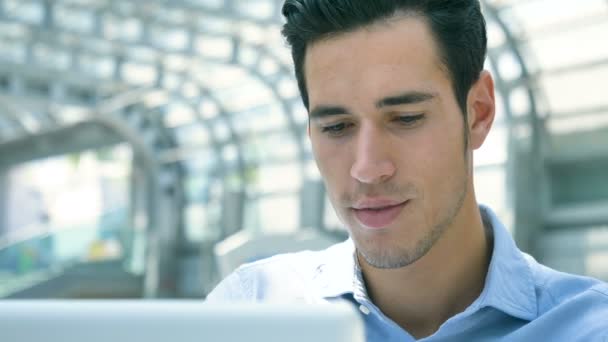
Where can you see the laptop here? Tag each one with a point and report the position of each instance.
(176, 321)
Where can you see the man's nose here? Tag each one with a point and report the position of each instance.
(373, 164)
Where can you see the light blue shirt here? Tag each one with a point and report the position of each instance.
(522, 300)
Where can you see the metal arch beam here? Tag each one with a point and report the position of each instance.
(286, 108)
(525, 78)
(501, 85)
(142, 98)
(83, 136)
(514, 48)
(136, 95)
(234, 16)
(222, 114)
(104, 138)
(157, 276)
(151, 172)
(99, 130)
(504, 5)
(214, 141)
(152, 223)
(12, 113)
(37, 72)
(115, 103)
(527, 211)
(264, 53)
(215, 144)
(139, 98)
(283, 69)
(235, 137)
(4, 189)
(38, 32)
(133, 99)
(187, 8)
(13, 103)
(240, 161)
(96, 132)
(166, 156)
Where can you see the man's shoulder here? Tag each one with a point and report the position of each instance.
(302, 263)
(602, 290)
(288, 276)
(555, 288)
(569, 304)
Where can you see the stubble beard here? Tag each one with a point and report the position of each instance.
(392, 257)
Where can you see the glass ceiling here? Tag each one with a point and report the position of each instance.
(216, 77)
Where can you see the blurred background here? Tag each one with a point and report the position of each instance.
(147, 148)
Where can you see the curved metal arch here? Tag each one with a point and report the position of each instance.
(175, 94)
(117, 104)
(284, 71)
(188, 9)
(524, 80)
(12, 113)
(263, 51)
(223, 113)
(208, 95)
(136, 98)
(514, 48)
(106, 120)
(139, 99)
(192, 104)
(151, 171)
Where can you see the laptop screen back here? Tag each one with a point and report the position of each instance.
(175, 321)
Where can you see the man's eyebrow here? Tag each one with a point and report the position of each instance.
(405, 98)
(323, 111)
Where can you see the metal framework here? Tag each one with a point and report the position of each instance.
(185, 81)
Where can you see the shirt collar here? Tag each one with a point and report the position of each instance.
(509, 285)
(337, 273)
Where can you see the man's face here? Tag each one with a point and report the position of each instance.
(387, 135)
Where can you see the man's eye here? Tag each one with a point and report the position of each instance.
(409, 120)
(335, 129)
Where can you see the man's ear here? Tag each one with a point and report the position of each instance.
(481, 109)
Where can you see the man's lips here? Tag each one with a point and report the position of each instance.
(379, 213)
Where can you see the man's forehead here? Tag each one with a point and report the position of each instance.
(376, 25)
(402, 39)
(407, 22)
(397, 56)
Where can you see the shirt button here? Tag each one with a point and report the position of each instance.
(364, 309)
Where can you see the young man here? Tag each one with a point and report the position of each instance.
(398, 100)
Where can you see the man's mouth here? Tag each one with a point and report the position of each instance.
(378, 214)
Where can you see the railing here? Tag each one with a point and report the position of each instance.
(37, 254)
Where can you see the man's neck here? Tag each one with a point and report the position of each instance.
(422, 296)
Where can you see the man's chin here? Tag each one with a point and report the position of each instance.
(385, 261)
(380, 254)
